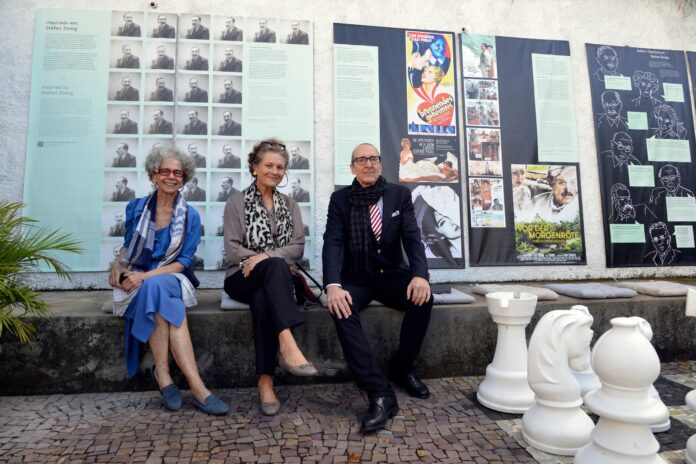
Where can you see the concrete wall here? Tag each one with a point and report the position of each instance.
(637, 23)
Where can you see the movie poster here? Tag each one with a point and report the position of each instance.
(518, 123)
(396, 89)
(645, 149)
(548, 228)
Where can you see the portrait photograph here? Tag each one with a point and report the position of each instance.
(439, 219)
(191, 119)
(197, 149)
(194, 26)
(194, 57)
(113, 221)
(125, 87)
(192, 88)
(122, 119)
(223, 185)
(159, 87)
(228, 57)
(222, 125)
(119, 187)
(224, 93)
(261, 30)
(298, 187)
(229, 28)
(306, 211)
(158, 120)
(300, 155)
(162, 25)
(161, 55)
(121, 153)
(294, 32)
(227, 154)
(125, 54)
(127, 23)
(215, 220)
(196, 189)
(108, 250)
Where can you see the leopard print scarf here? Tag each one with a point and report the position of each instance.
(258, 236)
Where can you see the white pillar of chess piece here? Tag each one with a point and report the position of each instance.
(556, 423)
(505, 387)
(690, 453)
(627, 365)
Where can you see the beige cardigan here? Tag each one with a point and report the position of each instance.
(235, 229)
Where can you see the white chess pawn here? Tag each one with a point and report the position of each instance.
(627, 365)
(505, 387)
(556, 423)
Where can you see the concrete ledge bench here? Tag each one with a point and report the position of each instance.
(80, 349)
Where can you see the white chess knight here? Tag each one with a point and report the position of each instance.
(556, 423)
(627, 365)
(505, 387)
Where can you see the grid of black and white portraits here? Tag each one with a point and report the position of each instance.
(178, 79)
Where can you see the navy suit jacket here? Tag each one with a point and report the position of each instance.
(399, 228)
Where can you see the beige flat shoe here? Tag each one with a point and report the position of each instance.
(303, 370)
(269, 409)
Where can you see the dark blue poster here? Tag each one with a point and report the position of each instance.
(645, 150)
(524, 209)
(419, 135)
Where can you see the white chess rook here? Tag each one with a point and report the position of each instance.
(627, 365)
(505, 387)
(556, 423)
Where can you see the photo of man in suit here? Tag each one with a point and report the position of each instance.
(230, 95)
(160, 125)
(231, 31)
(161, 92)
(297, 161)
(297, 193)
(195, 94)
(227, 189)
(264, 34)
(198, 31)
(128, 60)
(129, 28)
(367, 225)
(195, 126)
(123, 159)
(119, 227)
(122, 192)
(297, 36)
(230, 127)
(229, 160)
(196, 62)
(163, 61)
(127, 92)
(197, 158)
(126, 125)
(163, 30)
(192, 192)
(230, 63)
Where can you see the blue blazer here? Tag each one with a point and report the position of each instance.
(399, 228)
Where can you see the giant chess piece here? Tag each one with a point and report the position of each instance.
(505, 387)
(647, 332)
(556, 423)
(587, 379)
(627, 365)
(690, 454)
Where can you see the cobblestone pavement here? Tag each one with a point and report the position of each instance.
(317, 424)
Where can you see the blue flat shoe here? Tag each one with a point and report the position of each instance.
(212, 405)
(171, 398)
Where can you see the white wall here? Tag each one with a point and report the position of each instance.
(636, 23)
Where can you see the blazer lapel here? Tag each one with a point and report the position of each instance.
(387, 209)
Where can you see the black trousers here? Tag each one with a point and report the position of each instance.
(390, 290)
(269, 292)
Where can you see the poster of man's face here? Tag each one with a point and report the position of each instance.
(121, 153)
(124, 87)
(223, 185)
(225, 56)
(190, 115)
(126, 23)
(223, 151)
(163, 26)
(294, 32)
(193, 52)
(119, 186)
(122, 119)
(193, 25)
(108, 250)
(124, 54)
(192, 88)
(113, 222)
(299, 187)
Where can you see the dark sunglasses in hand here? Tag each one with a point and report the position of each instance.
(362, 161)
(164, 172)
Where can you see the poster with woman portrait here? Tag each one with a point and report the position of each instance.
(438, 217)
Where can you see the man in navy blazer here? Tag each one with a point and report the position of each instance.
(367, 224)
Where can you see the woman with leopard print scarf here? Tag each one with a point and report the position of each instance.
(264, 236)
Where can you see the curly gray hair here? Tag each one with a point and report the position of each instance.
(159, 154)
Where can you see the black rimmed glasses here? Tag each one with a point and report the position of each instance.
(165, 172)
(362, 160)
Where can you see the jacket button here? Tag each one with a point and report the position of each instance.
(379, 250)
(382, 271)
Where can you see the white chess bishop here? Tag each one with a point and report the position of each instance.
(505, 387)
(556, 423)
(627, 365)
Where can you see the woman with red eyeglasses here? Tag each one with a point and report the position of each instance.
(153, 282)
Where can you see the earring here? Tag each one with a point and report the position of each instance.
(253, 173)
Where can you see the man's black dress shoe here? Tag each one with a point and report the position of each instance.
(413, 385)
(382, 408)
